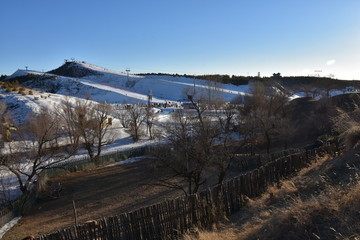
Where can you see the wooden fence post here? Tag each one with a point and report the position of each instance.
(75, 213)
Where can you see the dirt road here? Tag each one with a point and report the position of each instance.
(97, 193)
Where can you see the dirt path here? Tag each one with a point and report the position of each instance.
(97, 193)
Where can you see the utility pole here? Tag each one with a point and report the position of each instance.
(149, 97)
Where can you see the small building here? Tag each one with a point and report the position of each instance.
(276, 75)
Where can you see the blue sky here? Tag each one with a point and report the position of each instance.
(188, 36)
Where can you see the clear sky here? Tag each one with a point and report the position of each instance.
(189, 36)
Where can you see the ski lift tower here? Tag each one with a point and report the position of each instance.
(127, 71)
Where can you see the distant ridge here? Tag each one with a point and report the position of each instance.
(74, 69)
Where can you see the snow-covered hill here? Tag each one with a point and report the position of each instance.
(83, 80)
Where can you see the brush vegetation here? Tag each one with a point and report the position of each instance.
(320, 202)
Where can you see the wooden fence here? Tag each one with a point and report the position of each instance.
(250, 162)
(9, 210)
(171, 218)
(87, 163)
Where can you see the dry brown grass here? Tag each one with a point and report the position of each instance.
(228, 233)
(308, 206)
(97, 193)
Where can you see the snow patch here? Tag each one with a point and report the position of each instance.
(129, 160)
(8, 226)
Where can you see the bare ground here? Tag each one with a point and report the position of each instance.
(97, 193)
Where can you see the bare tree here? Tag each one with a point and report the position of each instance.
(137, 115)
(150, 117)
(182, 157)
(210, 97)
(226, 115)
(91, 122)
(309, 90)
(224, 155)
(285, 130)
(191, 137)
(248, 130)
(120, 112)
(263, 110)
(68, 116)
(101, 124)
(40, 151)
(223, 151)
(87, 124)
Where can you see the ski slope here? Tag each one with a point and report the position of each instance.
(114, 87)
(122, 91)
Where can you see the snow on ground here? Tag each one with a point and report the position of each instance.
(161, 89)
(22, 72)
(115, 87)
(129, 160)
(9, 184)
(21, 106)
(121, 91)
(8, 226)
(214, 87)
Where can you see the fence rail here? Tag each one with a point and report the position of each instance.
(86, 162)
(171, 218)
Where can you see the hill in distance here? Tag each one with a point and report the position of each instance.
(80, 79)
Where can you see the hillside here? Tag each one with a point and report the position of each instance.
(82, 80)
(71, 69)
(320, 202)
(314, 116)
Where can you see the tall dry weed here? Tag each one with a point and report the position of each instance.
(290, 210)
